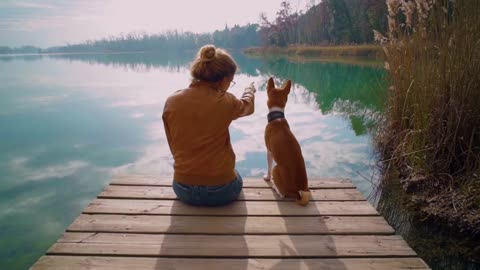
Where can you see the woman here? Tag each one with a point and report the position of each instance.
(196, 121)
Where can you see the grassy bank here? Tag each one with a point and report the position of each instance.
(431, 130)
(441, 246)
(368, 50)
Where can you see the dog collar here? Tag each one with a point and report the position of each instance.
(271, 116)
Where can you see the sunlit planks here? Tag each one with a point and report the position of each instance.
(148, 180)
(129, 263)
(241, 208)
(137, 223)
(352, 225)
(234, 246)
(248, 194)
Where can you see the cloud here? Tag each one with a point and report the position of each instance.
(35, 23)
(24, 203)
(155, 159)
(32, 5)
(43, 100)
(137, 115)
(21, 168)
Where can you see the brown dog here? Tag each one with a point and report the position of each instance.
(289, 174)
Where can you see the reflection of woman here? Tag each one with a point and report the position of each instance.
(196, 123)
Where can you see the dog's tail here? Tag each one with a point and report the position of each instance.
(304, 197)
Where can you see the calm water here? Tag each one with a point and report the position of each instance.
(68, 123)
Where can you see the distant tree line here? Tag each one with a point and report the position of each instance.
(233, 38)
(237, 37)
(328, 22)
(23, 49)
(138, 42)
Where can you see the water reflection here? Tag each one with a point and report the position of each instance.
(329, 109)
(70, 121)
(139, 62)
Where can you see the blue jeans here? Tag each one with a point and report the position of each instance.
(209, 195)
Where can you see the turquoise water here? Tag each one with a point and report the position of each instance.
(70, 122)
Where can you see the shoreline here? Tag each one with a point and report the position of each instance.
(426, 234)
(361, 50)
(440, 198)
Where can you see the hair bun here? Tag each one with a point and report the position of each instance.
(207, 53)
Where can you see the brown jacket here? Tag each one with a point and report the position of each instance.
(196, 123)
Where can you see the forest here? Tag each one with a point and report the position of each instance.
(331, 22)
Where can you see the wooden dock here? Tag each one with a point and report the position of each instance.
(137, 223)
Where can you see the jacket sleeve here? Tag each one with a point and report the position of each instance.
(166, 127)
(243, 106)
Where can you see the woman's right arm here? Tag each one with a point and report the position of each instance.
(246, 104)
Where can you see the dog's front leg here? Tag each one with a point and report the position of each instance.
(268, 176)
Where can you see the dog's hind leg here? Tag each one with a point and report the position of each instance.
(278, 183)
(268, 176)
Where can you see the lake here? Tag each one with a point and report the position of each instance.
(68, 123)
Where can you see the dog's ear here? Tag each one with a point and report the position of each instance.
(287, 85)
(270, 84)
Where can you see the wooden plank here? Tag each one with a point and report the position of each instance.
(231, 225)
(239, 208)
(231, 246)
(137, 223)
(248, 194)
(122, 263)
(248, 182)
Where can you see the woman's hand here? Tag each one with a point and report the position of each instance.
(251, 88)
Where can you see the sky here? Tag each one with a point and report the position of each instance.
(58, 22)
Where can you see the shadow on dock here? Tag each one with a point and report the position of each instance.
(207, 250)
(302, 246)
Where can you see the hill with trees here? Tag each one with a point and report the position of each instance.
(331, 22)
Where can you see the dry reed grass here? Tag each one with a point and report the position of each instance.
(431, 129)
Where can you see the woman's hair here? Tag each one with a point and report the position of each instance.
(212, 64)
